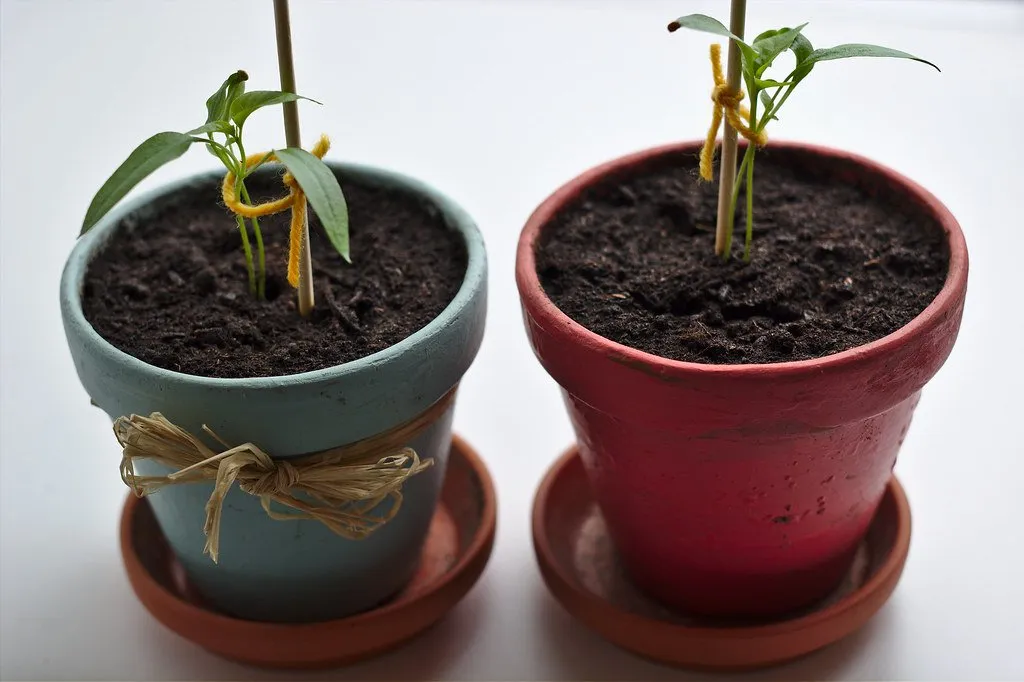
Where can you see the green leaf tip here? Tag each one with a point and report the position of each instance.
(156, 151)
(322, 191)
(849, 50)
(771, 44)
(701, 22)
(245, 104)
(217, 104)
(706, 24)
(222, 127)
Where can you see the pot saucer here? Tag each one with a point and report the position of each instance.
(582, 570)
(456, 551)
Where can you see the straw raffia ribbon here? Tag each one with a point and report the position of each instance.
(341, 488)
(727, 104)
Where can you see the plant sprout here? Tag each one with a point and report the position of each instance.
(755, 59)
(227, 110)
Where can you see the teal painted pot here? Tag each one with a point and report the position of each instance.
(291, 571)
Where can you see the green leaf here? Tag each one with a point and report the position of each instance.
(860, 50)
(701, 22)
(235, 90)
(249, 102)
(216, 105)
(767, 102)
(706, 24)
(222, 127)
(212, 127)
(802, 48)
(763, 83)
(774, 42)
(219, 154)
(771, 44)
(224, 158)
(158, 150)
(323, 191)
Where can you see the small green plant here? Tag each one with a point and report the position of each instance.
(755, 59)
(227, 111)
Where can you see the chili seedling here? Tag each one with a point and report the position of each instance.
(755, 59)
(227, 111)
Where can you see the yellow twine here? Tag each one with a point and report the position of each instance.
(296, 200)
(727, 103)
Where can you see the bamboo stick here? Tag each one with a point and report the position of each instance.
(727, 167)
(293, 139)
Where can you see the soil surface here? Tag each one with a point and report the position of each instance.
(171, 286)
(833, 265)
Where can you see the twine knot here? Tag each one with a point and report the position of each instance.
(725, 98)
(295, 200)
(727, 104)
(345, 488)
(280, 475)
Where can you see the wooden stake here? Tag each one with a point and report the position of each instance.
(727, 168)
(293, 139)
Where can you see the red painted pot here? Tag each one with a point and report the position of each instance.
(741, 489)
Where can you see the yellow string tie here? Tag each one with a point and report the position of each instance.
(296, 201)
(727, 103)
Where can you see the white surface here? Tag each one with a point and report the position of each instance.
(497, 103)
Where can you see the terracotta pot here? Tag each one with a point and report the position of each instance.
(741, 489)
(294, 571)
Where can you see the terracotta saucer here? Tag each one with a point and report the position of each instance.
(457, 550)
(580, 567)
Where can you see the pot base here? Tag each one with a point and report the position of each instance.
(456, 551)
(583, 572)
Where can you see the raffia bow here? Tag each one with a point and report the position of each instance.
(343, 488)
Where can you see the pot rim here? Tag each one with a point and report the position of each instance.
(549, 316)
(88, 246)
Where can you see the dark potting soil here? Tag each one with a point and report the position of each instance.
(833, 266)
(171, 288)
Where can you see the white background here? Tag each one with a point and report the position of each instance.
(497, 103)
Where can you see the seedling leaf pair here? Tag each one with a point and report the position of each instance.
(227, 111)
(769, 42)
(219, 103)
